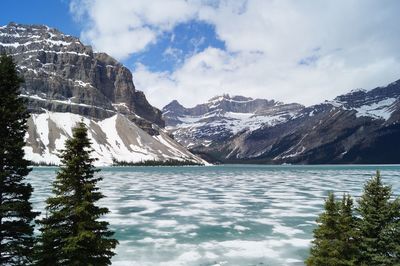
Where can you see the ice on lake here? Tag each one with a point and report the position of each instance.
(218, 215)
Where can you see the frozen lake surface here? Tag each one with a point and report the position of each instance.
(219, 215)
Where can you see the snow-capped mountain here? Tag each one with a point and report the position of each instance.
(222, 117)
(358, 127)
(66, 82)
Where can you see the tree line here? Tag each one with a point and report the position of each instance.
(368, 234)
(71, 232)
(168, 162)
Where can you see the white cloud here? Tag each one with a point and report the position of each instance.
(214, 72)
(123, 27)
(345, 45)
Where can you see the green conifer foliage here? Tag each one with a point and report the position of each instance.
(16, 215)
(335, 238)
(325, 248)
(72, 233)
(379, 225)
(371, 238)
(347, 233)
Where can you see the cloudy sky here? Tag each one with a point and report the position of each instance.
(191, 50)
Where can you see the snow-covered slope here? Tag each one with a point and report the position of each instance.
(379, 103)
(112, 138)
(222, 117)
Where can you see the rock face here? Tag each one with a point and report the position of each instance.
(67, 80)
(63, 75)
(358, 127)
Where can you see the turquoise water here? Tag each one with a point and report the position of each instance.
(218, 215)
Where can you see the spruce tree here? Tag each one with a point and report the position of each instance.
(325, 248)
(335, 238)
(16, 215)
(379, 225)
(347, 233)
(71, 232)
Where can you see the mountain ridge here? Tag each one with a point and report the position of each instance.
(346, 129)
(222, 117)
(65, 79)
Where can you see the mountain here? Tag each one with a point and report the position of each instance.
(66, 81)
(222, 117)
(358, 127)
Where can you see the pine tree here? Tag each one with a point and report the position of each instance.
(335, 238)
(325, 246)
(379, 225)
(347, 233)
(72, 233)
(16, 215)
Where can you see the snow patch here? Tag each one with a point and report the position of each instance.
(379, 110)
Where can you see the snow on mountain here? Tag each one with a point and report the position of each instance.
(222, 117)
(112, 138)
(66, 82)
(358, 127)
(381, 110)
(379, 103)
(232, 121)
(61, 74)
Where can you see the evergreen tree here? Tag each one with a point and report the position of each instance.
(16, 215)
(325, 246)
(347, 233)
(379, 225)
(72, 233)
(336, 235)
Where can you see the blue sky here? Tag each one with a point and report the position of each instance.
(166, 54)
(172, 47)
(54, 13)
(191, 50)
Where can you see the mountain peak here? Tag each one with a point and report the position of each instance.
(174, 108)
(29, 29)
(69, 77)
(227, 97)
(174, 103)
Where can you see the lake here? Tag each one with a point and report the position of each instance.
(218, 215)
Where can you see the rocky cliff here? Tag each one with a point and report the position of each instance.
(62, 75)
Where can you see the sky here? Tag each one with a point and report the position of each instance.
(304, 51)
